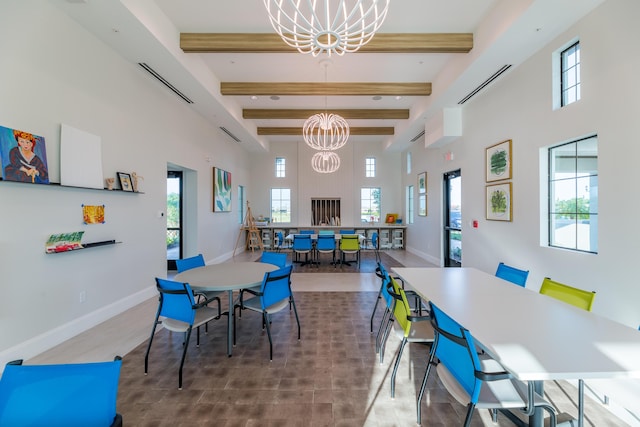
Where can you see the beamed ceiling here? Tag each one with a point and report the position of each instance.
(226, 61)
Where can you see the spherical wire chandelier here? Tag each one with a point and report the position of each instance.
(329, 26)
(325, 162)
(325, 132)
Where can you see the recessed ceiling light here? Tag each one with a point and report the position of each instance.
(377, 98)
(398, 98)
(254, 98)
(274, 97)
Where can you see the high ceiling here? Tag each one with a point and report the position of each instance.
(462, 43)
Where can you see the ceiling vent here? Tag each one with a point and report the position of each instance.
(232, 136)
(485, 83)
(162, 80)
(418, 136)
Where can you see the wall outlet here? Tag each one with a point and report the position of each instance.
(83, 296)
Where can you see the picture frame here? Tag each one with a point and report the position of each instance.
(391, 218)
(422, 182)
(221, 190)
(499, 202)
(498, 161)
(125, 181)
(422, 205)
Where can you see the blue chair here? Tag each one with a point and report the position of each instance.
(302, 244)
(82, 394)
(512, 274)
(326, 244)
(195, 262)
(281, 243)
(327, 232)
(307, 232)
(472, 382)
(348, 231)
(274, 295)
(179, 313)
(274, 258)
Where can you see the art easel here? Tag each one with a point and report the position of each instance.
(254, 239)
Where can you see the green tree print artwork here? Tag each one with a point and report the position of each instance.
(499, 202)
(499, 162)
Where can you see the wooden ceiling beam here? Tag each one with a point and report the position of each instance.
(297, 131)
(272, 43)
(329, 89)
(358, 113)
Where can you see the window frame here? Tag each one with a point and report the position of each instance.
(281, 167)
(410, 204)
(370, 167)
(276, 219)
(566, 70)
(371, 202)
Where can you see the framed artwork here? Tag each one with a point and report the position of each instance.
(499, 203)
(391, 218)
(422, 205)
(125, 181)
(498, 161)
(23, 157)
(422, 182)
(221, 190)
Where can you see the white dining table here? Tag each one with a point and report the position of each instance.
(228, 276)
(535, 337)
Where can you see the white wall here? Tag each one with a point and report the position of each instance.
(519, 107)
(52, 71)
(345, 183)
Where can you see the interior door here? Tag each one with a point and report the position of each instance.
(452, 242)
(174, 218)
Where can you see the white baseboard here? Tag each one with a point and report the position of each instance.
(41, 343)
(425, 256)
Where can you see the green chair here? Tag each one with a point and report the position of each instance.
(349, 244)
(574, 296)
(578, 298)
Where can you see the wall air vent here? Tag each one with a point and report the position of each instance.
(485, 83)
(162, 80)
(232, 136)
(418, 136)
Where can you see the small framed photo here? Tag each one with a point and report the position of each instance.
(422, 205)
(422, 182)
(499, 203)
(498, 161)
(125, 181)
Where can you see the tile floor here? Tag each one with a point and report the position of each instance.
(331, 377)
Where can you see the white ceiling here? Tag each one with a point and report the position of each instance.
(505, 32)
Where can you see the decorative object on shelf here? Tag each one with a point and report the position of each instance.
(93, 214)
(499, 203)
(498, 161)
(135, 181)
(326, 26)
(391, 218)
(125, 181)
(422, 182)
(110, 182)
(422, 205)
(63, 242)
(23, 156)
(325, 162)
(221, 190)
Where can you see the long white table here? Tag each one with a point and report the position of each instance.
(228, 276)
(533, 336)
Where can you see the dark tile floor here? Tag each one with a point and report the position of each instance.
(331, 377)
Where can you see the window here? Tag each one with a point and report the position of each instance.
(281, 164)
(409, 214)
(280, 205)
(573, 195)
(370, 204)
(570, 72)
(370, 167)
(241, 204)
(408, 162)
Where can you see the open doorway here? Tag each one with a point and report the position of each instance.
(452, 241)
(174, 218)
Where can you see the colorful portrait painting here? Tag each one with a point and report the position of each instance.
(23, 156)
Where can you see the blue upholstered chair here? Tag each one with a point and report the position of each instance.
(185, 264)
(179, 313)
(302, 245)
(326, 244)
(274, 295)
(475, 383)
(512, 274)
(274, 258)
(81, 394)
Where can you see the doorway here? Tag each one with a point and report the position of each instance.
(174, 218)
(452, 241)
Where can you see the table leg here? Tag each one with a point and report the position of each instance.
(537, 418)
(230, 325)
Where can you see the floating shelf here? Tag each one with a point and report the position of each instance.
(57, 184)
(87, 246)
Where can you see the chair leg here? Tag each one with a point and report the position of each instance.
(380, 328)
(295, 311)
(467, 420)
(395, 368)
(265, 319)
(423, 387)
(184, 355)
(373, 313)
(146, 355)
(383, 342)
